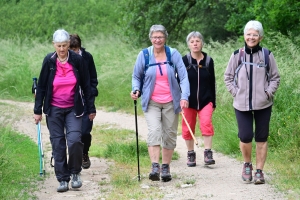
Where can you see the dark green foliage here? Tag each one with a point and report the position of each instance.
(215, 19)
(139, 16)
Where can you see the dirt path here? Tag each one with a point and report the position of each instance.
(220, 181)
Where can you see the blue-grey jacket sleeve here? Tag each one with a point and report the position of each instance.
(138, 72)
(182, 73)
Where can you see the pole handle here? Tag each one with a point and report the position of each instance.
(34, 85)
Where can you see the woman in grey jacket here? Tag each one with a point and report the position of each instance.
(252, 83)
(162, 99)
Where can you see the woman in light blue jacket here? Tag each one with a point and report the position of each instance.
(164, 88)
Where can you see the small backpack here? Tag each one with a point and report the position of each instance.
(147, 65)
(189, 57)
(262, 63)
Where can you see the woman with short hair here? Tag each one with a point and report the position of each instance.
(202, 101)
(252, 78)
(162, 98)
(58, 96)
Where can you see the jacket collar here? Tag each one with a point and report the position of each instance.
(252, 50)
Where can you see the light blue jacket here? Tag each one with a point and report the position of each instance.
(150, 77)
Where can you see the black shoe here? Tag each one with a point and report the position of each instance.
(154, 174)
(191, 159)
(208, 157)
(86, 163)
(165, 173)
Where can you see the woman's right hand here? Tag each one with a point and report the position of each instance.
(135, 95)
(37, 118)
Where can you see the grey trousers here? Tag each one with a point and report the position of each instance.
(59, 120)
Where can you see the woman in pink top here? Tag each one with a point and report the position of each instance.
(162, 99)
(58, 95)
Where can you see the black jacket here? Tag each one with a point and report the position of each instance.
(202, 83)
(89, 62)
(45, 85)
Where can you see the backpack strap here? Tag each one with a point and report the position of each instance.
(241, 55)
(240, 63)
(169, 61)
(189, 58)
(266, 53)
(168, 53)
(147, 64)
(146, 57)
(264, 63)
(207, 61)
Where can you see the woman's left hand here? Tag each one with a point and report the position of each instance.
(184, 104)
(92, 116)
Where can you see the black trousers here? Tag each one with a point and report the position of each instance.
(261, 119)
(87, 126)
(65, 134)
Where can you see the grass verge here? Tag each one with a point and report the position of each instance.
(19, 164)
(119, 145)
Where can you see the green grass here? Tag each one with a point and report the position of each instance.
(19, 164)
(119, 146)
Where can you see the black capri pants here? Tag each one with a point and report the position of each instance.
(261, 120)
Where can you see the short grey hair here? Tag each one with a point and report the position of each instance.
(195, 34)
(158, 28)
(61, 35)
(256, 25)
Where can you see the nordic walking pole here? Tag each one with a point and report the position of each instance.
(137, 139)
(39, 135)
(41, 153)
(195, 141)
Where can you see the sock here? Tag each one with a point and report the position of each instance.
(191, 151)
(259, 170)
(207, 149)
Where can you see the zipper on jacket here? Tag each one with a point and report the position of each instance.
(251, 81)
(198, 86)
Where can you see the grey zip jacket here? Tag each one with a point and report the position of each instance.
(150, 78)
(252, 85)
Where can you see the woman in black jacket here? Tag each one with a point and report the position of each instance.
(202, 99)
(87, 124)
(58, 95)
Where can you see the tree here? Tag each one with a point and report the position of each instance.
(215, 19)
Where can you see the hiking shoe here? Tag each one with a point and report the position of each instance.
(165, 173)
(154, 174)
(208, 157)
(76, 181)
(191, 159)
(247, 172)
(259, 178)
(63, 186)
(86, 163)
